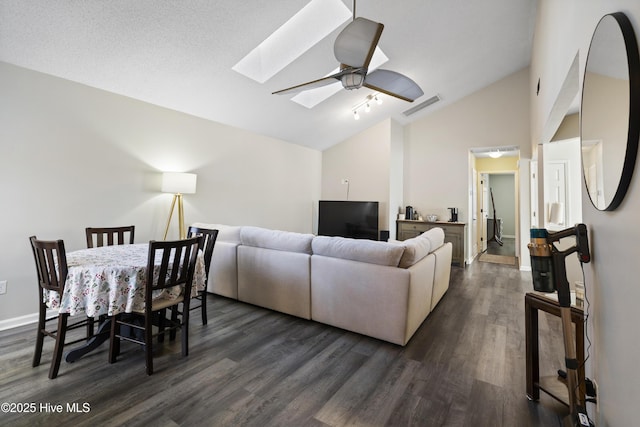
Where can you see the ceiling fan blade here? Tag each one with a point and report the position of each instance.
(310, 85)
(394, 84)
(355, 44)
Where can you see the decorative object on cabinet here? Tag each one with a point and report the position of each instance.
(454, 214)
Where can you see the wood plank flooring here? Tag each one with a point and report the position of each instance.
(253, 367)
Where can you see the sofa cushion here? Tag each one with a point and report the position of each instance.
(415, 249)
(226, 233)
(276, 239)
(373, 252)
(435, 236)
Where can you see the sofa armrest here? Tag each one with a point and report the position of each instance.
(442, 272)
(223, 272)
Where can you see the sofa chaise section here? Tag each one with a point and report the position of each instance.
(358, 285)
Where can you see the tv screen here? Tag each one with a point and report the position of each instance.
(358, 220)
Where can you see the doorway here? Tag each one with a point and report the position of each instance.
(495, 237)
(501, 215)
(499, 218)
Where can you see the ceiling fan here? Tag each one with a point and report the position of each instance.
(354, 49)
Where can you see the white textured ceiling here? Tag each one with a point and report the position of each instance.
(178, 54)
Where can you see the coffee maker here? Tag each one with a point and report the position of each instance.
(409, 213)
(454, 214)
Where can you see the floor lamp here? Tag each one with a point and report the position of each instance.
(178, 184)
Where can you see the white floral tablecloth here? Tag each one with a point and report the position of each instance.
(111, 280)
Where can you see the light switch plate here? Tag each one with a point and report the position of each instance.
(3, 287)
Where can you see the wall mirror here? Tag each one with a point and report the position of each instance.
(608, 123)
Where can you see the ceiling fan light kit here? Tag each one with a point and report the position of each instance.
(352, 81)
(354, 48)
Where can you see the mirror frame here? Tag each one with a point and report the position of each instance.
(633, 131)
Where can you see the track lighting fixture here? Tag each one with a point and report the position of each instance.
(366, 104)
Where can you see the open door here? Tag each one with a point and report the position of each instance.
(484, 210)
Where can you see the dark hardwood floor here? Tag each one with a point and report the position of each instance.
(508, 247)
(250, 366)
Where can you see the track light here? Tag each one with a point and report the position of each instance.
(366, 104)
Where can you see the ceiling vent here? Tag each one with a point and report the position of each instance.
(422, 105)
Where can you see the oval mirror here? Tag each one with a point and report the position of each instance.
(610, 91)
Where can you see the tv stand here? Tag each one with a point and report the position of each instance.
(453, 232)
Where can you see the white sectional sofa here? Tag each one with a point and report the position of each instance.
(380, 289)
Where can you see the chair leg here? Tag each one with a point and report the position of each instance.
(57, 351)
(114, 340)
(39, 337)
(174, 321)
(184, 330)
(148, 343)
(162, 316)
(90, 322)
(203, 306)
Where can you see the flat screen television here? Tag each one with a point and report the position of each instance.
(358, 220)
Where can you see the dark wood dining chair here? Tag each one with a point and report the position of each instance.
(51, 266)
(176, 268)
(101, 236)
(210, 237)
(108, 236)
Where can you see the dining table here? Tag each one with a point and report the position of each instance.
(109, 280)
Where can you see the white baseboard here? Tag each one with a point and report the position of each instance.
(23, 320)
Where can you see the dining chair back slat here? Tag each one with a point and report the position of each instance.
(210, 237)
(109, 236)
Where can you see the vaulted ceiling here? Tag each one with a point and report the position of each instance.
(180, 54)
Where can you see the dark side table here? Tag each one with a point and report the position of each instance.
(552, 385)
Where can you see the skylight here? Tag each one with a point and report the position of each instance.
(300, 33)
(311, 98)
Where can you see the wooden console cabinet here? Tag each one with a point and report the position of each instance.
(453, 232)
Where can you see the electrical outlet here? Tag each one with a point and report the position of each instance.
(345, 181)
(3, 287)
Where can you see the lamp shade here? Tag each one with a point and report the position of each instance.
(176, 182)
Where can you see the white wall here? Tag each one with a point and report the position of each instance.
(396, 174)
(73, 156)
(436, 170)
(564, 28)
(364, 160)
